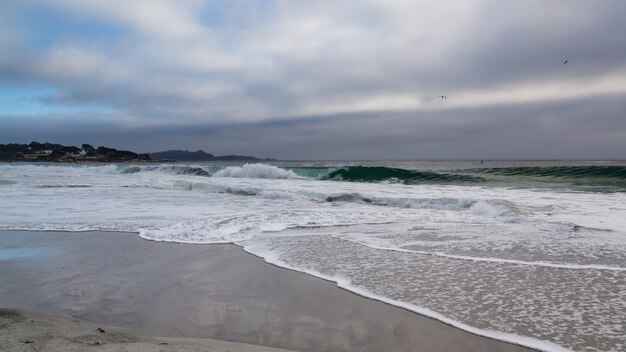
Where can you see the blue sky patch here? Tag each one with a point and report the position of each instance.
(32, 100)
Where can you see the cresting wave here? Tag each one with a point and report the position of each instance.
(594, 175)
(171, 169)
(245, 171)
(256, 171)
(612, 176)
(379, 174)
(347, 173)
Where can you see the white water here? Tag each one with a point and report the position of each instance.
(542, 268)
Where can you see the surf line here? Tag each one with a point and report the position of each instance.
(346, 284)
(488, 259)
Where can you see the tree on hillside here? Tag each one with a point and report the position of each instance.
(89, 150)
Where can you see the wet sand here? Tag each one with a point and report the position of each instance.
(207, 291)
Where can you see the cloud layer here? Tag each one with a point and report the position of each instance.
(320, 79)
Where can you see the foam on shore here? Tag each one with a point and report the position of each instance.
(345, 283)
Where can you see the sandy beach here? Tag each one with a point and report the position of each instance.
(203, 292)
(22, 330)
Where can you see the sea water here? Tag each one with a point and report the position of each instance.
(528, 252)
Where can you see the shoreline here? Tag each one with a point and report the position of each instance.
(518, 340)
(310, 287)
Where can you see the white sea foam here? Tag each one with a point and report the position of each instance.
(270, 256)
(495, 260)
(256, 171)
(423, 235)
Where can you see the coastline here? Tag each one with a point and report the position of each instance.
(209, 291)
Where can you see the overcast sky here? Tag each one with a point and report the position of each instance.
(318, 79)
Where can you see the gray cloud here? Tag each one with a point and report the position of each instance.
(250, 78)
(589, 128)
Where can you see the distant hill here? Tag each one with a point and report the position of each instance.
(200, 155)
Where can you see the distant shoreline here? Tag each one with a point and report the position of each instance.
(51, 152)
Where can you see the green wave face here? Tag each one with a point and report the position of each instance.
(596, 178)
(606, 172)
(314, 172)
(379, 174)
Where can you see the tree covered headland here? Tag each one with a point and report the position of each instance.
(36, 151)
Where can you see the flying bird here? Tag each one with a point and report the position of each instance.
(565, 62)
(443, 97)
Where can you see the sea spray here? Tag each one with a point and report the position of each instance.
(256, 171)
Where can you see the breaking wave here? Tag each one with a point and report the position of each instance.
(256, 171)
(601, 178)
(380, 174)
(170, 169)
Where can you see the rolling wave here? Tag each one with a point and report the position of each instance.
(600, 177)
(380, 174)
(170, 169)
(616, 172)
(256, 171)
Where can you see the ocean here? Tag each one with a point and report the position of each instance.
(530, 252)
